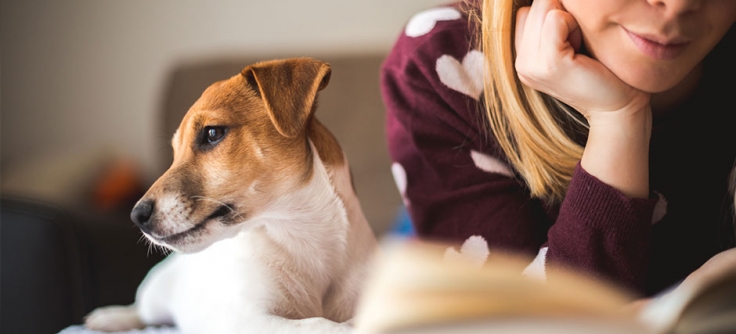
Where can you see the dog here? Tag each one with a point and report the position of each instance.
(259, 208)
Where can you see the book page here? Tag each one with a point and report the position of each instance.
(414, 286)
(705, 302)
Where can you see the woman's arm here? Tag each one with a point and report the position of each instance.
(619, 116)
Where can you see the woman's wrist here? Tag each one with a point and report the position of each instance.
(617, 150)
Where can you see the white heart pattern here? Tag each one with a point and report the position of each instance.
(474, 251)
(465, 77)
(660, 209)
(423, 22)
(536, 269)
(400, 178)
(490, 164)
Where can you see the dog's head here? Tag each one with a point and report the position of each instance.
(240, 146)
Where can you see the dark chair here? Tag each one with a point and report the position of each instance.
(58, 264)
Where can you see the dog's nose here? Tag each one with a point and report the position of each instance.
(141, 215)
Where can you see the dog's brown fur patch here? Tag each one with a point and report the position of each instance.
(327, 146)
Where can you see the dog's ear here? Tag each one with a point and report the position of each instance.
(289, 88)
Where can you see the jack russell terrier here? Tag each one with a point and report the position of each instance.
(259, 207)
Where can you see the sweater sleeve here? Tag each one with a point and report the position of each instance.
(456, 183)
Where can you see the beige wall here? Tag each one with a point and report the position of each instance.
(80, 75)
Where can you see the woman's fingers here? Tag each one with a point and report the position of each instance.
(534, 23)
(558, 26)
(546, 40)
(521, 16)
(541, 30)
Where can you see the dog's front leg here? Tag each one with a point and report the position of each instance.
(114, 318)
(150, 307)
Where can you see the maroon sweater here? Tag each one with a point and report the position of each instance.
(456, 182)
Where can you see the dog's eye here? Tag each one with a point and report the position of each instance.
(213, 134)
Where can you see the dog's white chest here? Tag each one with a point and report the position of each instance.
(217, 283)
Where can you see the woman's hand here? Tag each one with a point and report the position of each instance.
(619, 116)
(547, 40)
(713, 268)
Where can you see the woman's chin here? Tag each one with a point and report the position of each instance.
(668, 88)
(655, 81)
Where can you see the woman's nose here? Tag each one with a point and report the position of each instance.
(672, 8)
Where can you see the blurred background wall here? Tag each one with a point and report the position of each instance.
(78, 74)
(81, 78)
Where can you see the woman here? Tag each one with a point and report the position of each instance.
(589, 133)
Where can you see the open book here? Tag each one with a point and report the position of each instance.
(415, 288)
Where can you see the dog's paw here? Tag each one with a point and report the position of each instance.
(113, 319)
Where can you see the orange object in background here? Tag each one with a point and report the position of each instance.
(120, 183)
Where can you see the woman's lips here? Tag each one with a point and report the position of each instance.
(658, 50)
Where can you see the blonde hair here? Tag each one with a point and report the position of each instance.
(528, 125)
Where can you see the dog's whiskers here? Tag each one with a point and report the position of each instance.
(164, 250)
(148, 242)
(143, 238)
(152, 247)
